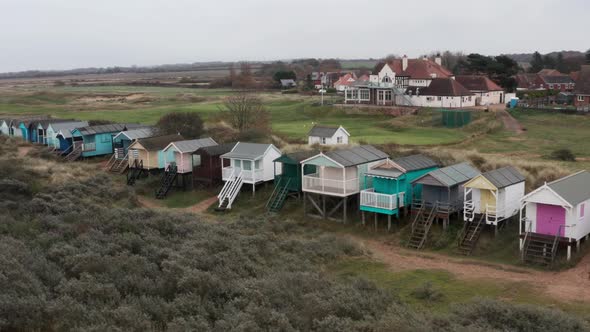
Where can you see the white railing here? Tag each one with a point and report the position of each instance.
(231, 189)
(493, 215)
(468, 210)
(382, 201)
(252, 175)
(226, 173)
(89, 147)
(314, 183)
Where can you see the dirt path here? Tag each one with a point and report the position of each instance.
(510, 122)
(202, 206)
(570, 285)
(23, 150)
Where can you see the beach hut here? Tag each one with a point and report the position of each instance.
(179, 155)
(123, 140)
(443, 188)
(338, 178)
(493, 196)
(39, 130)
(149, 151)
(5, 127)
(14, 129)
(207, 164)
(250, 163)
(94, 141)
(555, 213)
(388, 185)
(64, 142)
(288, 182)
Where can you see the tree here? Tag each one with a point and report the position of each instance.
(549, 62)
(559, 63)
(537, 63)
(499, 69)
(246, 112)
(588, 57)
(284, 75)
(245, 79)
(189, 125)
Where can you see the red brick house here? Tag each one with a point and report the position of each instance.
(582, 90)
(546, 79)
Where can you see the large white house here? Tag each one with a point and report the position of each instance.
(411, 82)
(324, 135)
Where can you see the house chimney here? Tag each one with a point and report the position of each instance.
(424, 58)
(438, 60)
(405, 62)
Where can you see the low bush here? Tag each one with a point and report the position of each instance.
(563, 155)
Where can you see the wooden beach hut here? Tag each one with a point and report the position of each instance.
(389, 185)
(94, 141)
(338, 178)
(208, 164)
(288, 182)
(5, 127)
(146, 156)
(123, 140)
(59, 134)
(39, 130)
(555, 213)
(179, 155)
(443, 188)
(250, 163)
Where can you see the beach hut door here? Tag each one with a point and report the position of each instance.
(487, 198)
(549, 218)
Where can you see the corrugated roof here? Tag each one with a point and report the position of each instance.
(504, 177)
(65, 128)
(192, 145)
(574, 188)
(217, 150)
(453, 175)
(440, 87)
(247, 150)
(323, 131)
(109, 128)
(139, 133)
(356, 156)
(415, 162)
(45, 123)
(158, 142)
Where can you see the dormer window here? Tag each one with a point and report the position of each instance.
(386, 79)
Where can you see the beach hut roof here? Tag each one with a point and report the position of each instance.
(504, 177)
(415, 162)
(296, 157)
(357, 155)
(138, 133)
(574, 188)
(217, 150)
(248, 151)
(452, 175)
(65, 128)
(109, 128)
(192, 145)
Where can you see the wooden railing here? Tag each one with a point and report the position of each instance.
(382, 201)
(314, 183)
(89, 147)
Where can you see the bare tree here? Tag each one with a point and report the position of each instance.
(246, 112)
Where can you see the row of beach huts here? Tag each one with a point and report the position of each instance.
(333, 182)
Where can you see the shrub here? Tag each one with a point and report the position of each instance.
(563, 155)
(427, 292)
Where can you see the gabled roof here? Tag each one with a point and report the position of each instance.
(249, 151)
(45, 123)
(504, 177)
(574, 188)
(563, 79)
(478, 83)
(138, 133)
(216, 150)
(356, 156)
(583, 82)
(441, 87)
(385, 169)
(156, 143)
(526, 81)
(65, 128)
(550, 72)
(347, 79)
(415, 162)
(325, 131)
(452, 175)
(189, 146)
(296, 157)
(419, 69)
(108, 128)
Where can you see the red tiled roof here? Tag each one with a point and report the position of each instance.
(574, 75)
(550, 72)
(419, 69)
(441, 87)
(477, 83)
(526, 81)
(344, 80)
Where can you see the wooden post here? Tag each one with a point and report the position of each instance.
(344, 209)
(304, 204)
(324, 214)
(363, 217)
(578, 246)
(389, 222)
(569, 251)
(375, 220)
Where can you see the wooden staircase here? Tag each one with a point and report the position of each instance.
(230, 191)
(168, 179)
(421, 226)
(470, 235)
(135, 172)
(74, 155)
(279, 195)
(540, 249)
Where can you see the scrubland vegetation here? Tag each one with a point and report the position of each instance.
(78, 254)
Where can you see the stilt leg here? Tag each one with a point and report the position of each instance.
(344, 208)
(375, 221)
(569, 251)
(578, 246)
(363, 217)
(324, 212)
(496, 230)
(389, 222)
(304, 204)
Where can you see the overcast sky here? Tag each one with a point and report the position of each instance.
(62, 34)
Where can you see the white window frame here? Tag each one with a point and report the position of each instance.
(580, 98)
(339, 140)
(323, 140)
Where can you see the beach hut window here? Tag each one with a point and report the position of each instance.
(257, 164)
(247, 165)
(582, 208)
(196, 160)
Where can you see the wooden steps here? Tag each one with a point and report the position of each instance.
(279, 195)
(74, 155)
(470, 235)
(135, 172)
(230, 191)
(168, 179)
(539, 249)
(421, 226)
